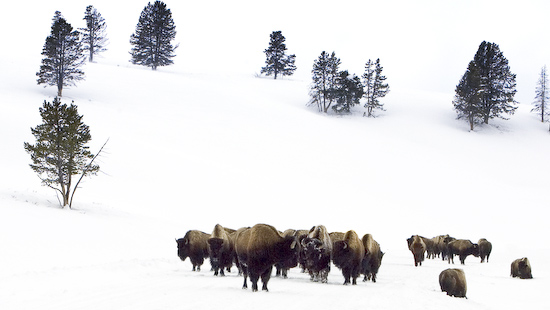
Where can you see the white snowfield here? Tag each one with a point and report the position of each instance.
(204, 142)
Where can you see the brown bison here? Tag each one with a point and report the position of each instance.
(193, 245)
(373, 258)
(258, 249)
(462, 248)
(418, 249)
(316, 252)
(220, 250)
(348, 254)
(453, 281)
(521, 268)
(485, 248)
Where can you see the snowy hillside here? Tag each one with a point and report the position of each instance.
(205, 141)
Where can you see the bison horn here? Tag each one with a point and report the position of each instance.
(293, 245)
(345, 245)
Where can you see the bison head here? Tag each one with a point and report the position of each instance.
(183, 248)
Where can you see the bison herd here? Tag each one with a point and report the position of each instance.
(453, 280)
(256, 250)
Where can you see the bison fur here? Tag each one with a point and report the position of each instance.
(453, 281)
(195, 246)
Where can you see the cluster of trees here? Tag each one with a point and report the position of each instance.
(342, 90)
(64, 49)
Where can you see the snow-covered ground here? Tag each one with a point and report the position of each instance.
(205, 142)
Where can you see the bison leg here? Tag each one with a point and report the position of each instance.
(265, 278)
(254, 277)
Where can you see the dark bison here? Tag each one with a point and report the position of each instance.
(373, 258)
(418, 249)
(462, 248)
(220, 249)
(444, 246)
(193, 245)
(282, 267)
(485, 248)
(521, 268)
(348, 254)
(453, 281)
(258, 249)
(316, 252)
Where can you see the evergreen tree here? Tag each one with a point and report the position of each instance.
(375, 86)
(468, 96)
(60, 150)
(325, 74)
(94, 37)
(349, 92)
(497, 82)
(542, 95)
(63, 56)
(277, 62)
(154, 32)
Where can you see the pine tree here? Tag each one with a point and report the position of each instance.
(63, 56)
(325, 74)
(542, 95)
(154, 32)
(497, 82)
(468, 96)
(94, 37)
(60, 151)
(277, 62)
(349, 92)
(374, 86)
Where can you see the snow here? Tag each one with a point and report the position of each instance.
(205, 142)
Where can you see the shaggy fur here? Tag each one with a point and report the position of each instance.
(485, 248)
(193, 245)
(521, 268)
(283, 267)
(348, 255)
(417, 248)
(373, 258)
(317, 251)
(258, 249)
(220, 250)
(462, 248)
(453, 281)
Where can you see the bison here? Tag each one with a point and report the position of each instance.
(453, 281)
(462, 248)
(282, 267)
(485, 248)
(373, 258)
(258, 249)
(193, 245)
(348, 254)
(418, 249)
(220, 249)
(317, 251)
(521, 268)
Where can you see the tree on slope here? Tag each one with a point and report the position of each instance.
(498, 84)
(151, 42)
(60, 151)
(375, 86)
(94, 37)
(542, 96)
(325, 75)
(63, 56)
(277, 62)
(468, 96)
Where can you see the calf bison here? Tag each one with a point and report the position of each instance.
(373, 258)
(462, 248)
(418, 249)
(258, 249)
(220, 250)
(485, 247)
(193, 245)
(348, 254)
(316, 253)
(453, 281)
(521, 268)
